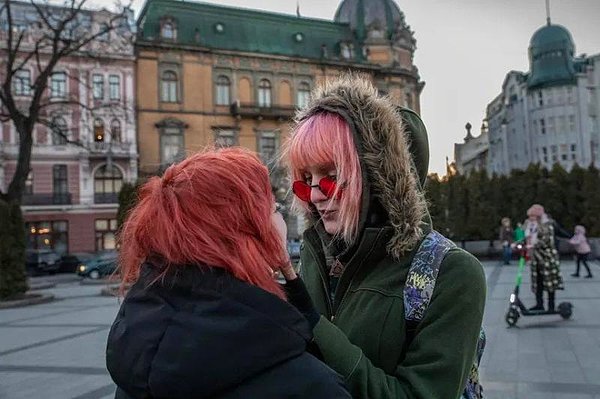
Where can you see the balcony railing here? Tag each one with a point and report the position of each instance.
(255, 110)
(104, 147)
(106, 198)
(47, 199)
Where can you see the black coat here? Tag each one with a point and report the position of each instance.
(205, 334)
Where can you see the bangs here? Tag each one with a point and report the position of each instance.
(313, 143)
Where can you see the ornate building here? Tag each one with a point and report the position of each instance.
(472, 154)
(550, 114)
(213, 74)
(83, 155)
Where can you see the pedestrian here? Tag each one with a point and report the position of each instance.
(519, 233)
(205, 317)
(544, 260)
(582, 248)
(506, 238)
(361, 190)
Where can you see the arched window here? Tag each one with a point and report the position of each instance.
(223, 87)
(264, 93)
(169, 83)
(303, 94)
(168, 31)
(59, 131)
(98, 130)
(115, 131)
(107, 184)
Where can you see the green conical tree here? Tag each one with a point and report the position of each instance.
(590, 192)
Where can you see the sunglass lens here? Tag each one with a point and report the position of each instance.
(327, 186)
(301, 190)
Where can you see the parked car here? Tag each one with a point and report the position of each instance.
(100, 265)
(69, 263)
(42, 261)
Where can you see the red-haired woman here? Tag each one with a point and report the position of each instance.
(205, 317)
(355, 180)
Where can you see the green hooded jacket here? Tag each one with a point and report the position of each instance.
(362, 332)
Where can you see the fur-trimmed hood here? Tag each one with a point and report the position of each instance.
(388, 171)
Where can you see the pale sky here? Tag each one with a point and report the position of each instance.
(465, 48)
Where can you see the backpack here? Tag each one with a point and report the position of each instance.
(418, 291)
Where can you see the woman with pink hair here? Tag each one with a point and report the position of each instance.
(545, 263)
(357, 177)
(582, 247)
(205, 317)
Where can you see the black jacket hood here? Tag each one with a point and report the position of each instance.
(198, 334)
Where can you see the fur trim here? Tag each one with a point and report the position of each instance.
(384, 152)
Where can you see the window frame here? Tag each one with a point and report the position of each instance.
(114, 87)
(22, 84)
(170, 93)
(58, 87)
(265, 94)
(98, 86)
(223, 90)
(303, 94)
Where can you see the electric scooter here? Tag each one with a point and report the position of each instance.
(516, 308)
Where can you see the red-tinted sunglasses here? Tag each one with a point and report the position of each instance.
(327, 185)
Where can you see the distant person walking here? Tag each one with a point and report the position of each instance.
(506, 238)
(519, 233)
(545, 264)
(580, 242)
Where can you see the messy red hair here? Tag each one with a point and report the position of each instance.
(214, 208)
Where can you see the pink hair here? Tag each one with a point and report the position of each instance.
(324, 140)
(214, 208)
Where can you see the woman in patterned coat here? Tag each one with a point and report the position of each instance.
(545, 263)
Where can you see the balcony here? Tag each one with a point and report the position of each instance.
(106, 198)
(254, 110)
(114, 147)
(47, 199)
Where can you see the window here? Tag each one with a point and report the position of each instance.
(107, 184)
(225, 138)
(48, 235)
(59, 131)
(573, 151)
(267, 146)
(167, 31)
(106, 230)
(543, 126)
(550, 96)
(562, 126)
(98, 87)
(545, 152)
(264, 93)
(104, 32)
(540, 98)
(303, 95)
(347, 50)
(535, 127)
(571, 123)
(169, 83)
(554, 149)
(114, 87)
(98, 130)
(171, 145)
(560, 96)
(60, 184)
(551, 126)
(22, 82)
(58, 85)
(564, 152)
(115, 131)
(223, 86)
(29, 184)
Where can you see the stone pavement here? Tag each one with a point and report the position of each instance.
(56, 350)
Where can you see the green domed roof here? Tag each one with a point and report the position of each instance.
(362, 14)
(552, 36)
(551, 57)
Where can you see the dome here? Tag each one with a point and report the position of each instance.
(551, 57)
(365, 14)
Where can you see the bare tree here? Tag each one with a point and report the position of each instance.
(44, 36)
(41, 36)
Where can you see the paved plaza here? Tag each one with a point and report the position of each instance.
(56, 350)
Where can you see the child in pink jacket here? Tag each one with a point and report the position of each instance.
(582, 247)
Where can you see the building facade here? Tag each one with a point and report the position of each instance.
(210, 74)
(472, 154)
(550, 114)
(83, 153)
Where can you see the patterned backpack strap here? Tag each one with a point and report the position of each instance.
(423, 273)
